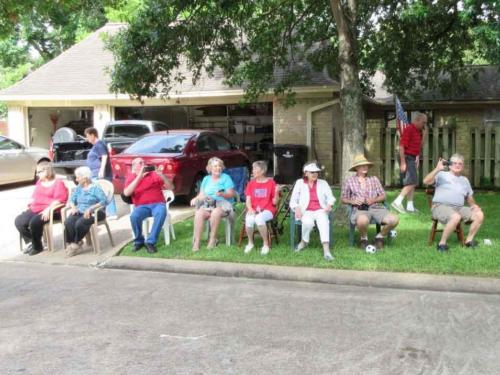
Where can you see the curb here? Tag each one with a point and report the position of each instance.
(412, 281)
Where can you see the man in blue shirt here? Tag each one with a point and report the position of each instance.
(100, 164)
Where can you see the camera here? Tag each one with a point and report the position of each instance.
(363, 207)
(446, 163)
(149, 168)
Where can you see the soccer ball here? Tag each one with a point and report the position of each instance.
(393, 234)
(370, 249)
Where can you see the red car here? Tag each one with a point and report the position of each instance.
(181, 155)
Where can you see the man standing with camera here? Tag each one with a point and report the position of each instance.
(366, 196)
(145, 185)
(452, 191)
(409, 152)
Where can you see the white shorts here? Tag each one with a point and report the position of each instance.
(259, 219)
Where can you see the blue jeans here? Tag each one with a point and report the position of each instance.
(156, 210)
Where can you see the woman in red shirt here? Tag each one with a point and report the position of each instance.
(49, 192)
(261, 199)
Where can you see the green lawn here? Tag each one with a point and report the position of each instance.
(407, 253)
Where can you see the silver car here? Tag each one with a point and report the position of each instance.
(17, 162)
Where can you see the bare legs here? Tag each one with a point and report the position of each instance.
(200, 216)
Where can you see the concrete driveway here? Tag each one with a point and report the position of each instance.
(13, 200)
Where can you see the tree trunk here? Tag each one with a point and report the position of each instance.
(350, 89)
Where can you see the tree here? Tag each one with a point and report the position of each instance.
(33, 32)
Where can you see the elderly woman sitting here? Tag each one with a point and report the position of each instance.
(214, 201)
(49, 193)
(311, 201)
(366, 195)
(86, 198)
(261, 199)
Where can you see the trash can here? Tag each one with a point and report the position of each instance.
(291, 159)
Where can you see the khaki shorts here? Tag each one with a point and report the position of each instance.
(376, 214)
(443, 212)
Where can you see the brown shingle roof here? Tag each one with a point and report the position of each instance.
(80, 70)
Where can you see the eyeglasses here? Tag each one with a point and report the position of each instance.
(457, 163)
(38, 172)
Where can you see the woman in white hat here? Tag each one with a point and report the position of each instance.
(366, 195)
(311, 201)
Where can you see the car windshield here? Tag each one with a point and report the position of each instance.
(159, 144)
(126, 131)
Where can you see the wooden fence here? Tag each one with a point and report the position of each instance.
(483, 158)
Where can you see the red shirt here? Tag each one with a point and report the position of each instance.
(148, 190)
(313, 198)
(411, 140)
(43, 196)
(262, 194)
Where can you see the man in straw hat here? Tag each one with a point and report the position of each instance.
(366, 195)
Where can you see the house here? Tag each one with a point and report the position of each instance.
(73, 87)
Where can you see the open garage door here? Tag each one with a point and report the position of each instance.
(43, 122)
(249, 127)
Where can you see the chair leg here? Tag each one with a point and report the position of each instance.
(172, 230)
(242, 234)
(47, 233)
(460, 234)
(109, 234)
(352, 229)
(94, 240)
(432, 235)
(229, 232)
(166, 230)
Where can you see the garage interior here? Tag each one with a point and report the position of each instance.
(249, 127)
(43, 122)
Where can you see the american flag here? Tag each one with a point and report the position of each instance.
(401, 118)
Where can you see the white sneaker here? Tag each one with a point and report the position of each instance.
(264, 250)
(248, 248)
(112, 217)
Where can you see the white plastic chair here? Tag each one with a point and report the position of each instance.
(168, 226)
(92, 236)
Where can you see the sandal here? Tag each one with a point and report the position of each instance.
(211, 245)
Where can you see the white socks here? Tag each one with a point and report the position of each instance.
(399, 199)
(409, 206)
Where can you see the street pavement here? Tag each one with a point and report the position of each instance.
(81, 320)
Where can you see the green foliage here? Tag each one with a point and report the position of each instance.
(251, 41)
(408, 252)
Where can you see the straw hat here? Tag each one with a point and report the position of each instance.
(360, 160)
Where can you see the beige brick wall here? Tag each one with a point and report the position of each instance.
(290, 126)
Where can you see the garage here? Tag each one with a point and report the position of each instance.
(249, 127)
(43, 122)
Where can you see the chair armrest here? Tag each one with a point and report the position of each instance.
(54, 209)
(96, 220)
(64, 213)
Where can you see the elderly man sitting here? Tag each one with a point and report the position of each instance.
(366, 195)
(145, 185)
(452, 191)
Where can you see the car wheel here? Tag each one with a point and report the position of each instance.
(195, 188)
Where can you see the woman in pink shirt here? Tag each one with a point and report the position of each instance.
(261, 199)
(49, 192)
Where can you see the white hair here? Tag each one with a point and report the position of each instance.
(457, 157)
(84, 172)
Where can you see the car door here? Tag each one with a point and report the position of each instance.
(15, 163)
